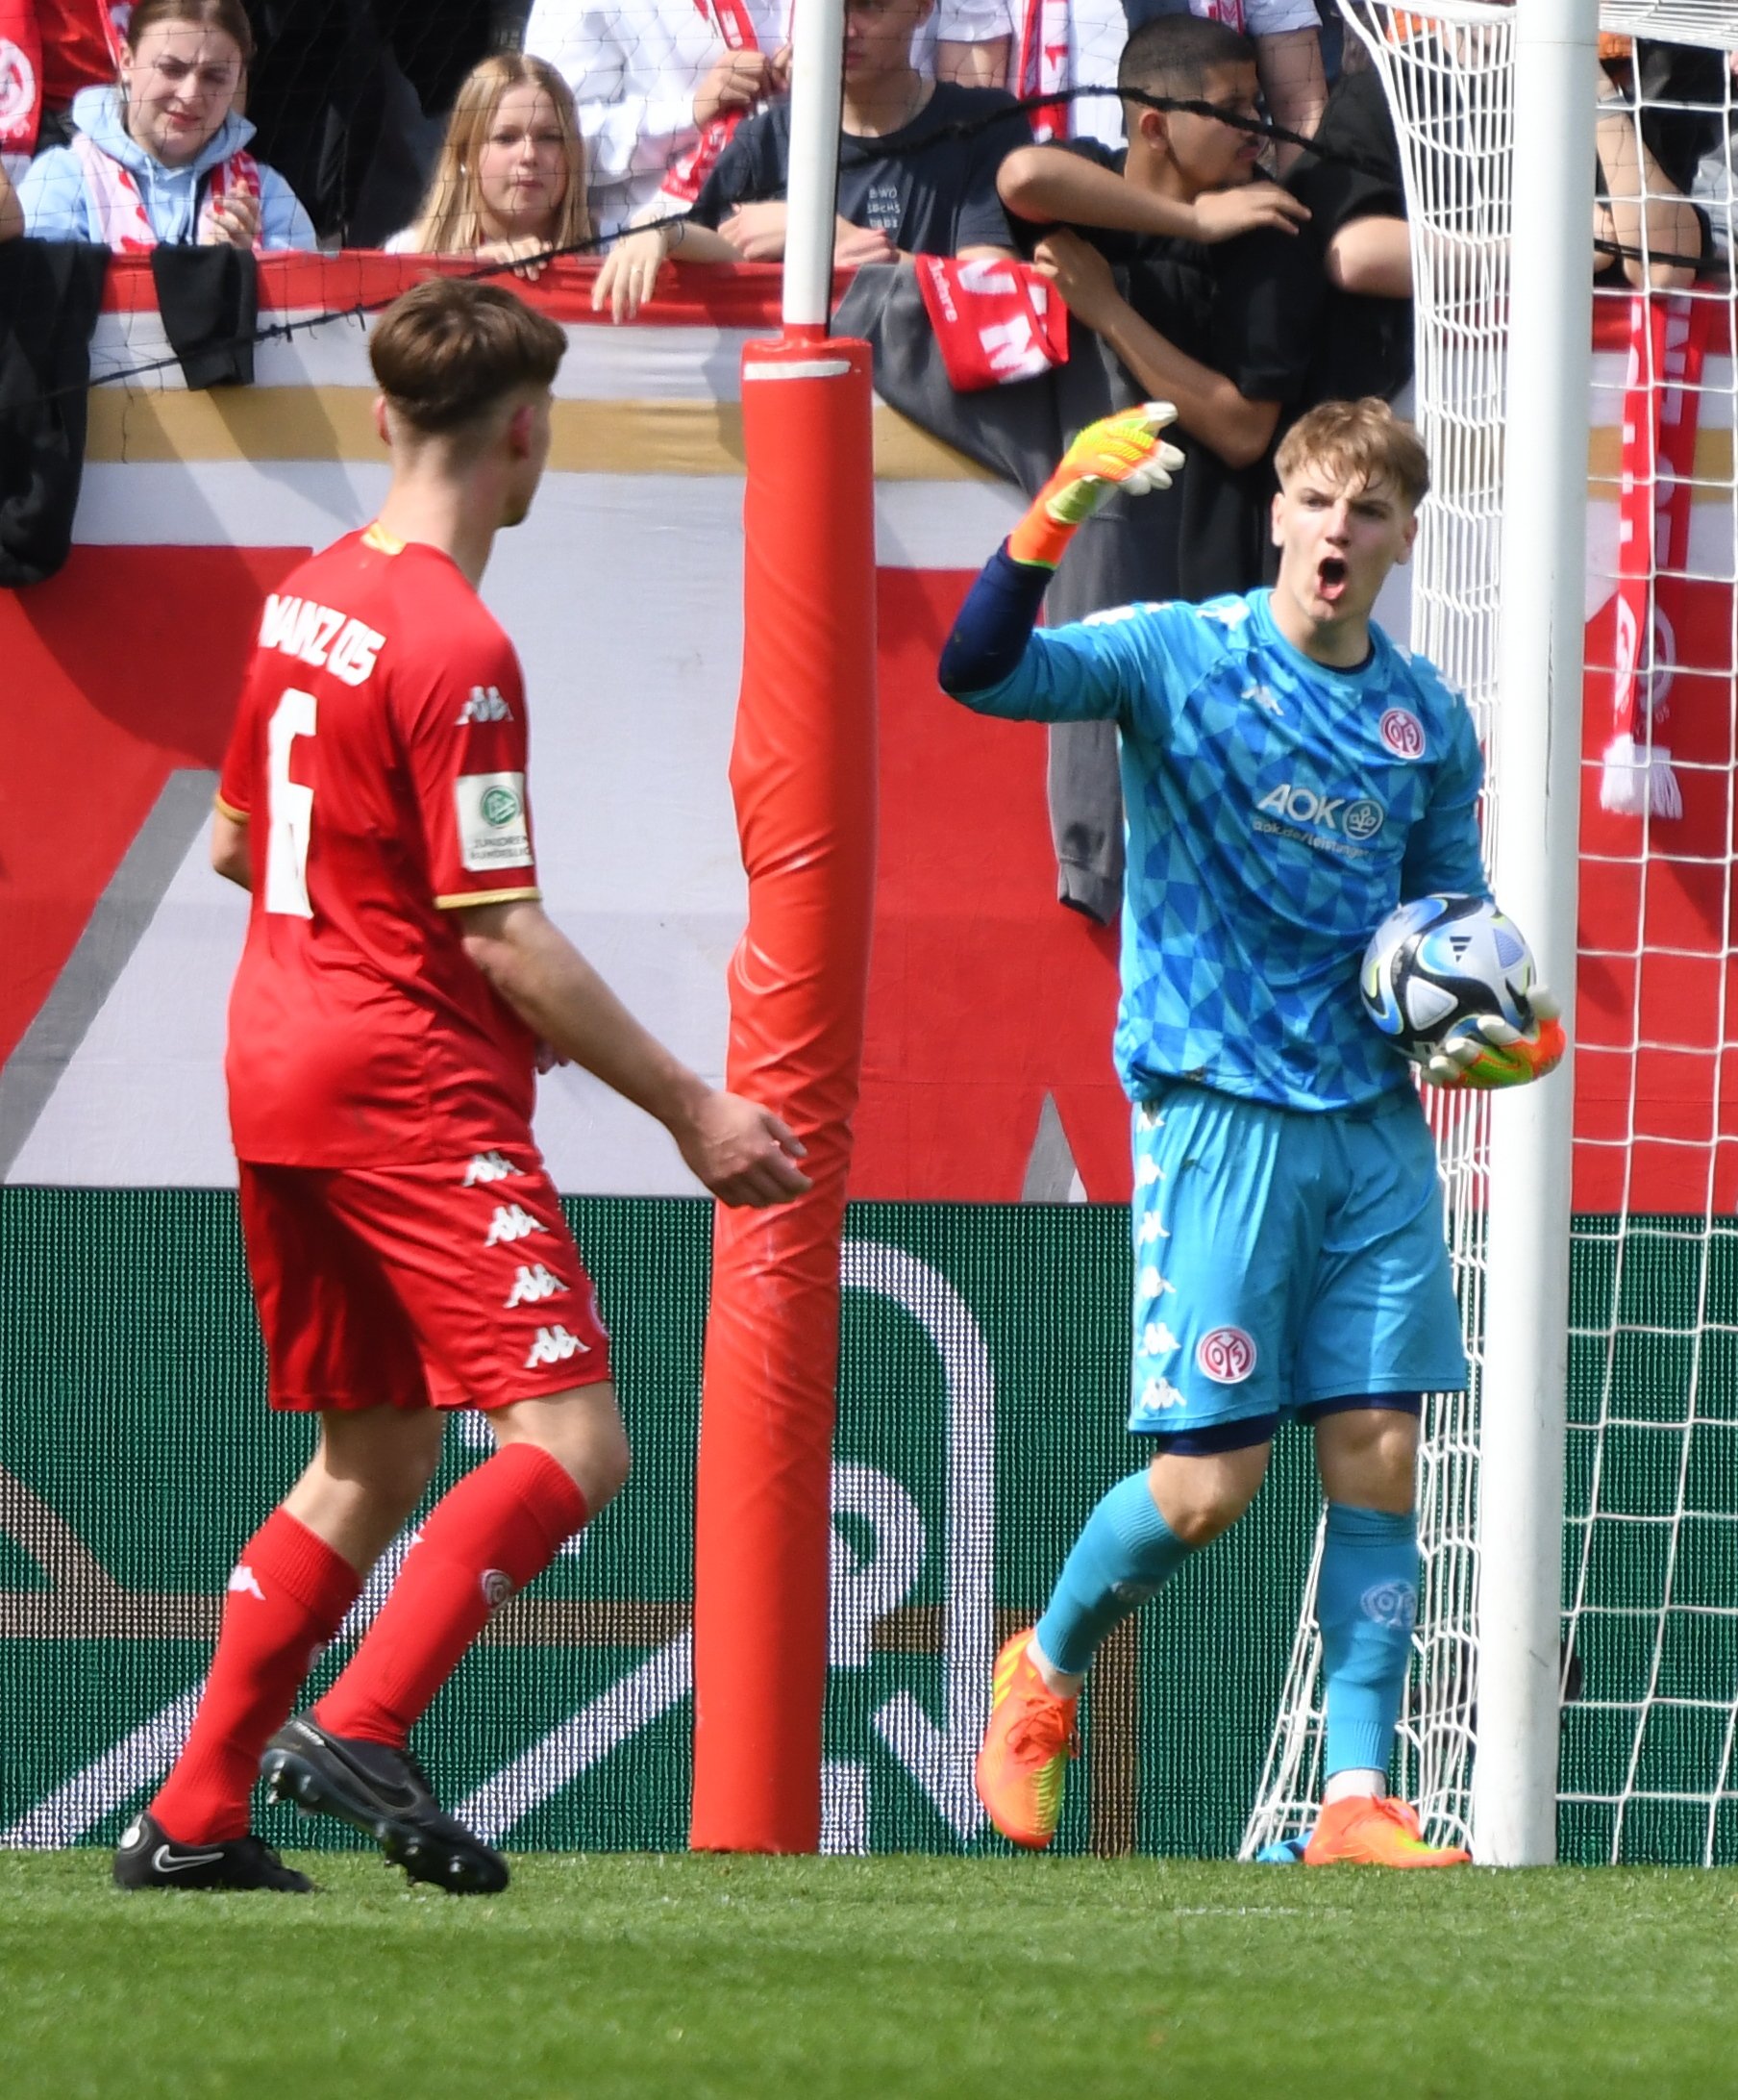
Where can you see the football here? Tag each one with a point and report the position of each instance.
(1436, 964)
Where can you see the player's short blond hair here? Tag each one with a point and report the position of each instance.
(449, 350)
(1364, 439)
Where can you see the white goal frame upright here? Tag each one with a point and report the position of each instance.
(1502, 550)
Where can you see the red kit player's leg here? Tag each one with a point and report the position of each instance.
(335, 1341)
(287, 1598)
(481, 1260)
(493, 1533)
(480, 1257)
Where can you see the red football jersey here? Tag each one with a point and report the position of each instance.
(379, 757)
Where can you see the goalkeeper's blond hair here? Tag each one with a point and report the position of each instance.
(1363, 439)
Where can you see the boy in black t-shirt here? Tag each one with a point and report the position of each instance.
(908, 184)
(1357, 196)
(1193, 273)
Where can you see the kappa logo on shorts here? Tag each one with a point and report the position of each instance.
(1227, 1356)
(533, 1284)
(1156, 1395)
(1404, 733)
(555, 1346)
(1151, 1228)
(511, 1222)
(1157, 1340)
(1147, 1171)
(488, 1166)
(1152, 1285)
(496, 1587)
(243, 1582)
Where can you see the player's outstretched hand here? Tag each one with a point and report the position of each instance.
(1493, 1054)
(743, 1153)
(1122, 451)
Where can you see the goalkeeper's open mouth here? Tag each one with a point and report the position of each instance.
(1332, 578)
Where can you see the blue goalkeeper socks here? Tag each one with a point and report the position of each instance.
(1365, 1601)
(1124, 1554)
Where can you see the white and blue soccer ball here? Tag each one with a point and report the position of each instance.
(1435, 965)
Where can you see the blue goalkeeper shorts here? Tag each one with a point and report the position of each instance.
(1285, 1260)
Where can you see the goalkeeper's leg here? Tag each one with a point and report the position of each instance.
(1132, 1543)
(1367, 1600)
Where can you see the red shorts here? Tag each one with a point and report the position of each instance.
(414, 1287)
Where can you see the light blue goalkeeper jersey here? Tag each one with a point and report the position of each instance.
(1276, 811)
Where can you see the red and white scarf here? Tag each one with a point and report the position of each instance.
(118, 208)
(686, 175)
(21, 81)
(1668, 347)
(995, 322)
(1044, 68)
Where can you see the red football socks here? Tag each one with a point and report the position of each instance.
(288, 1597)
(496, 1531)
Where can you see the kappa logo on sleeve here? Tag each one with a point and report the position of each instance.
(493, 831)
(484, 705)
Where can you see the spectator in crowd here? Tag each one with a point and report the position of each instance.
(651, 77)
(82, 45)
(1225, 332)
(11, 212)
(350, 98)
(1715, 189)
(1356, 192)
(1659, 106)
(908, 184)
(510, 180)
(1196, 275)
(1003, 43)
(161, 156)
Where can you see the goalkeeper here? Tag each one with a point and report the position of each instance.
(1289, 776)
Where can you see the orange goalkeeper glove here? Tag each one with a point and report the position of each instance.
(1121, 451)
(1493, 1054)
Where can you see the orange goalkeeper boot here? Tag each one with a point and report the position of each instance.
(1375, 1829)
(1026, 1750)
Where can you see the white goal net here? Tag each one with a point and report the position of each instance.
(1651, 1546)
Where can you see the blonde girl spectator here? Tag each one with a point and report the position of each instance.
(161, 156)
(510, 180)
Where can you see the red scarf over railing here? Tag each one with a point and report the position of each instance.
(995, 322)
(686, 176)
(1662, 400)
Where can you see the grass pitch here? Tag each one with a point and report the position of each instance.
(1058, 1979)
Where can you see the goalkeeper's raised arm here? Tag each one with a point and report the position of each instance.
(993, 661)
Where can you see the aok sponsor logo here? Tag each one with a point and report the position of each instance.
(1328, 823)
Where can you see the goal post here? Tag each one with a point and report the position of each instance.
(1576, 1678)
(1534, 846)
(803, 771)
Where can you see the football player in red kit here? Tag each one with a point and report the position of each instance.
(398, 986)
